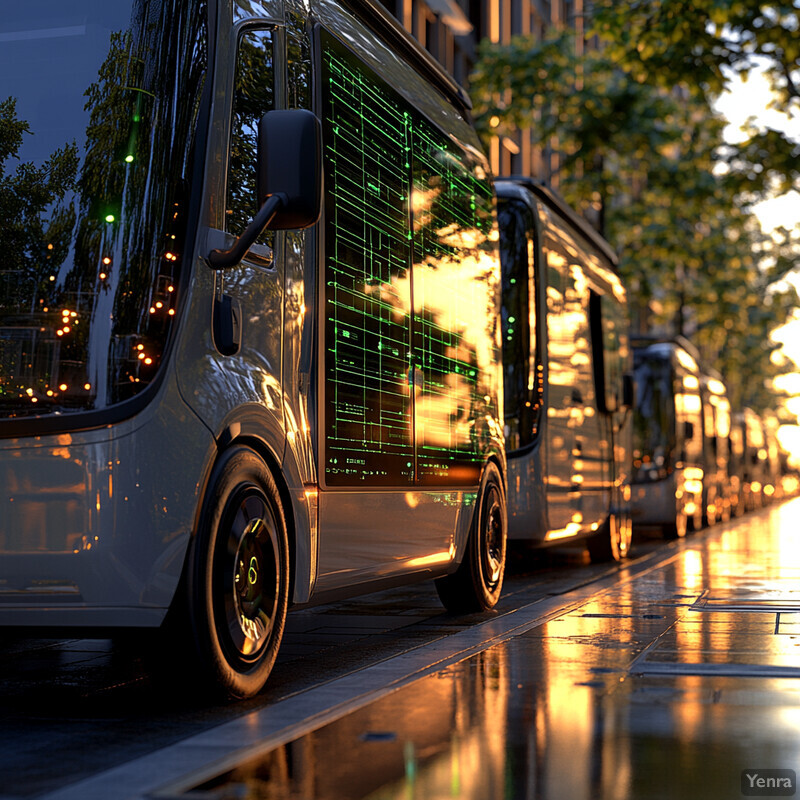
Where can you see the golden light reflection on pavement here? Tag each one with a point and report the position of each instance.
(665, 686)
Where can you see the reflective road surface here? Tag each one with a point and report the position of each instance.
(667, 678)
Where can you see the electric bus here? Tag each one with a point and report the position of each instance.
(249, 322)
(668, 456)
(567, 376)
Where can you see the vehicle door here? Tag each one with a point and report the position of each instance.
(567, 343)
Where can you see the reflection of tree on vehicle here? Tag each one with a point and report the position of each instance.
(220, 443)
(566, 360)
(87, 333)
(668, 438)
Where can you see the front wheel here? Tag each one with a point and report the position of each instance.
(476, 584)
(239, 575)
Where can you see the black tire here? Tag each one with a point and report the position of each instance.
(612, 542)
(476, 584)
(676, 529)
(238, 580)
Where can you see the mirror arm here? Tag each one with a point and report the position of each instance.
(220, 259)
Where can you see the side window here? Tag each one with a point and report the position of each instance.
(409, 288)
(653, 418)
(253, 96)
(688, 409)
(521, 393)
(559, 343)
(723, 431)
(569, 360)
(455, 321)
(368, 401)
(610, 349)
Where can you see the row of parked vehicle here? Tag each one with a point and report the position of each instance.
(696, 461)
(586, 458)
(281, 338)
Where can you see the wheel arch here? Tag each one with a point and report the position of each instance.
(232, 435)
(477, 580)
(499, 460)
(238, 467)
(262, 449)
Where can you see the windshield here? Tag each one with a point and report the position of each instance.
(519, 318)
(98, 105)
(653, 418)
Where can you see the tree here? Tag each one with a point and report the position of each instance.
(699, 45)
(674, 202)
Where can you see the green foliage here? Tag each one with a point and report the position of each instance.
(700, 43)
(675, 201)
(26, 192)
(698, 46)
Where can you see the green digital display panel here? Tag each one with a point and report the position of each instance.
(455, 308)
(408, 294)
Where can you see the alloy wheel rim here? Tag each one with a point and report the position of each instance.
(492, 551)
(251, 578)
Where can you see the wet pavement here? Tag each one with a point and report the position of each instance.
(675, 677)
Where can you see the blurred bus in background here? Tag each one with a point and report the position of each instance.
(668, 450)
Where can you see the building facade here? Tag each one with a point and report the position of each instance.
(451, 30)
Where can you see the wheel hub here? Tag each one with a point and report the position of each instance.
(252, 594)
(249, 573)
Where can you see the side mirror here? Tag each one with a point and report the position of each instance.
(290, 166)
(289, 179)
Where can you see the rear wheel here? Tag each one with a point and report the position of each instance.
(613, 541)
(476, 584)
(239, 575)
(676, 529)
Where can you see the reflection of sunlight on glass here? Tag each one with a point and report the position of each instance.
(438, 420)
(564, 330)
(469, 238)
(421, 204)
(472, 278)
(454, 293)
